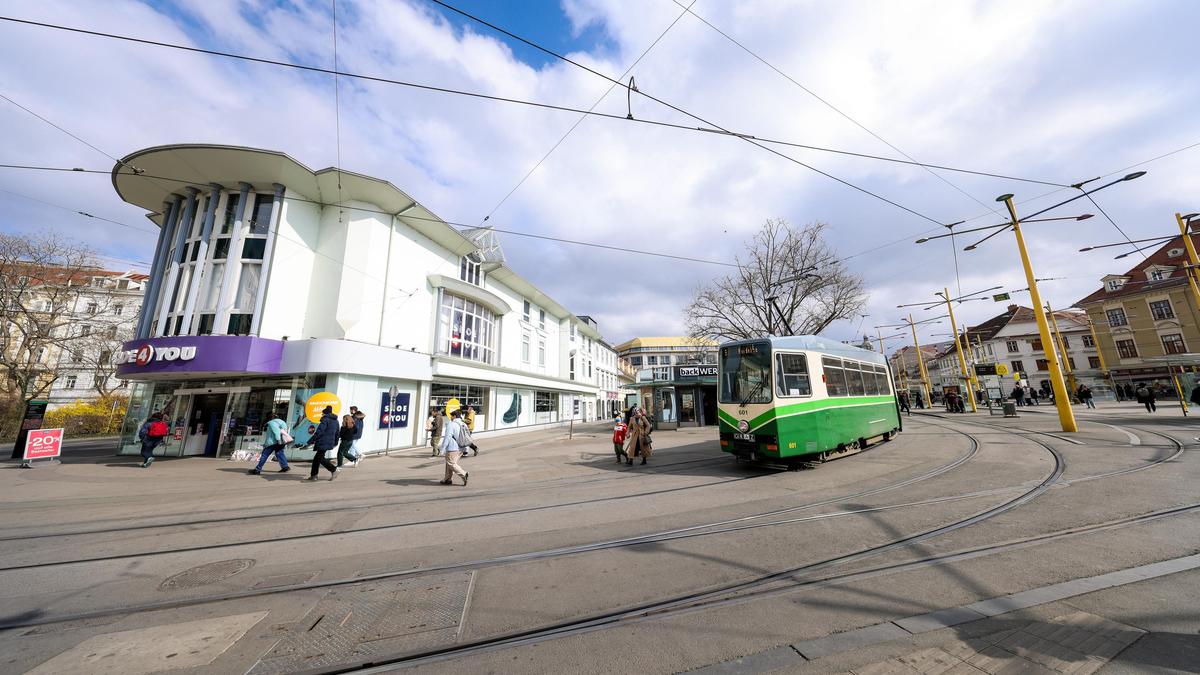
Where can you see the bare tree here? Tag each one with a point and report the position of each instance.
(46, 294)
(798, 268)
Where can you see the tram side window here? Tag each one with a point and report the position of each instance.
(854, 378)
(881, 377)
(871, 379)
(835, 377)
(791, 375)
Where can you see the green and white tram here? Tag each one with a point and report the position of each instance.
(803, 398)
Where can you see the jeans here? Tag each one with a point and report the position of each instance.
(320, 461)
(343, 448)
(148, 447)
(266, 454)
(1089, 403)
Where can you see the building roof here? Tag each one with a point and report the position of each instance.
(672, 341)
(1137, 278)
(1015, 314)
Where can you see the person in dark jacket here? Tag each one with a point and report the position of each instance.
(1145, 396)
(347, 434)
(360, 421)
(149, 440)
(323, 439)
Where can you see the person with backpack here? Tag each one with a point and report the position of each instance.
(1145, 396)
(360, 421)
(275, 440)
(324, 439)
(618, 439)
(152, 434)
(455, 437)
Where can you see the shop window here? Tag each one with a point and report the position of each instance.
(465, 329)
(467, 395)
(1127, 349)
(545, 401)
(791, 375)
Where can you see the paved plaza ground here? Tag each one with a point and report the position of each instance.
(968, 544)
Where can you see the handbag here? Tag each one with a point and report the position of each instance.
(331, 453)
(285, 437)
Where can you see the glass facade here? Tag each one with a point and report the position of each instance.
(466, 329)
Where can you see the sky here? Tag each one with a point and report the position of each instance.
(1052, 91)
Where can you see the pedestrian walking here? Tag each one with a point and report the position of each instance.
(152, 434)
(1145, 396)
(436, 426)
(360, 423)
(346, 434)
(1034, 396)
(324, 439)
(920, 399)
(1195, 397)
(1085, 395)
(637, 437)
(1018, 394)
(275, 440)
(468, 419)
(455, 437)
(619, 431)
(902, 398)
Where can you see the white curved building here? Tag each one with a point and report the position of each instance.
(278, 288)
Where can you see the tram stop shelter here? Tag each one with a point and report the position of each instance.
(675, 396)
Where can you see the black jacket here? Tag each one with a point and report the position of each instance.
(326, 435)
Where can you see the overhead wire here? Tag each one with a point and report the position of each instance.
(582, 117)
(447, 90)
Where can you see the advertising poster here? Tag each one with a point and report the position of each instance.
(393, 413)
(306, 412)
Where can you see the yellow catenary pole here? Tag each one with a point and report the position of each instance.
(921, 363)
(1062, 400)
(1178, 390)
(962, 360)
(1100, 355)
(1062, 349)
(1191, 249)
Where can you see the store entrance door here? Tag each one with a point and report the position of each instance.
(708, 405)
(204, 424)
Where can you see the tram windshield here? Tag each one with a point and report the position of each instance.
(746, 373)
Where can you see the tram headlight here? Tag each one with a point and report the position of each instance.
(743, 426)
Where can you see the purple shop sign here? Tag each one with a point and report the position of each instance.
(199, 354)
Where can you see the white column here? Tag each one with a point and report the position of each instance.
(181, 231)
(264, 272)
(201, 259)
(150, 299)
(233, 263)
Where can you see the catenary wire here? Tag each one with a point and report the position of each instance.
(753, 140)
(403, 83)
(581, 118)
(1114, 224)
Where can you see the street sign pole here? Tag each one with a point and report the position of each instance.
(391, 410)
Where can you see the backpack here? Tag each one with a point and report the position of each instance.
(158, 429)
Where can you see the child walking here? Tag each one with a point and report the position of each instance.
(619, 431)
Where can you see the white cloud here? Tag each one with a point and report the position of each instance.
(1062, 91)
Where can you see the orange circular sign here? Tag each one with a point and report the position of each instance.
(317, 402)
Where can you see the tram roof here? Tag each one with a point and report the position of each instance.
(816, 343)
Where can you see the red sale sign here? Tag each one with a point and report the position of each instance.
(43, 443)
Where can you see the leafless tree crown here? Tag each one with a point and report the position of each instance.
(775, 263)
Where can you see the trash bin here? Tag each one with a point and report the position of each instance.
(1010, 408)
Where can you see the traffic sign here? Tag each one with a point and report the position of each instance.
(43, 444)
(1001, 369)
(986, 369)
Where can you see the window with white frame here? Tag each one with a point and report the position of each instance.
(1116, 317)
(70, 381)
(542, 353)
(1012, 346)
(525, 347)
(541, 318)
(525, 314)
(1161, 309)
(466, 329)
(470, 269)
(1088, 341)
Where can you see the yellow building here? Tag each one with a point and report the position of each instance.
(1147, 322)
(676, 378)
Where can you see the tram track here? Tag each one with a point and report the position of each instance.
(712, 597)
(526, 487)
(665, 535)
